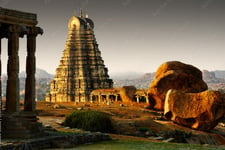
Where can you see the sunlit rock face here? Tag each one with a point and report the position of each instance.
(201, 111)
(174, 75)
(127, 93)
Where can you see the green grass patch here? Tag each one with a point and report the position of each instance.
(139, 145)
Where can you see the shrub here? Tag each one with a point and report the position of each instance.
(143, 129)
(89, 120)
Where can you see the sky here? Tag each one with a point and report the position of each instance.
(133, 35)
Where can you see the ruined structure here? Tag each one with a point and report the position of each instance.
(17, 123)
(118, 94)
(81, 67)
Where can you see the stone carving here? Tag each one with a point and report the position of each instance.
(81, 67)
(200, 111)
(174, 75)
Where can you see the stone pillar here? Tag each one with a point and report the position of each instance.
(107, 97)
(0, 73)
(91, 98)
(100, 98)
(138, 100)
(29, 103)
(147, 101)
(116, 98)
(12, 93)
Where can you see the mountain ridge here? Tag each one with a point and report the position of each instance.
(214, 79)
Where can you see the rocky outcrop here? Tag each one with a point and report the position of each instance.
(210, 77)
(174, 75)
(200, 111)
(127, 93)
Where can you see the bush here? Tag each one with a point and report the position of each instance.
(143, 129)
(89, 120)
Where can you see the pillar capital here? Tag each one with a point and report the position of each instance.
(20, 29)
(35, 31)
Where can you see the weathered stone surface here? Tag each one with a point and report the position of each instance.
(200, 111)
(174, 75)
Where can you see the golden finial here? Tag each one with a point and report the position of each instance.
(86, 16)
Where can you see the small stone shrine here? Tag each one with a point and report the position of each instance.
(81, 67)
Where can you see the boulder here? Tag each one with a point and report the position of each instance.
(201, 111)
(127, 93)
(174, 75)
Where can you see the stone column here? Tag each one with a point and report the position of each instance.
(138, 100)
(29, 103)
(147, 101)
(99, 98)
(116, 99)
(12, 93)
(0, 73)
(107, 97)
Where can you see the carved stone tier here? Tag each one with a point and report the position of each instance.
(81, 67)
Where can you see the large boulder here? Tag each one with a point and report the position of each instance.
(174, 75)
(200, 111)
(127, 93)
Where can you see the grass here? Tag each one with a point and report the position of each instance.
(140, 145)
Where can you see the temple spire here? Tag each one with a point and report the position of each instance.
(81, 13)
(81, 67)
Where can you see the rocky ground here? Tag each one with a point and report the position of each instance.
(131, 121)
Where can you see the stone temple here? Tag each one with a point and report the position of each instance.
(81, 69)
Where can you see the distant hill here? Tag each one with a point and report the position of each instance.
(40, 73)
(43, 79)
(211, 77)
(141, 82)
(214, 79)
(126, 75)
(220, 74)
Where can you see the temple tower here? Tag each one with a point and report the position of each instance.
(81, 67)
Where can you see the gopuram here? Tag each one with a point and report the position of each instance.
(16, 123)
(81, 67)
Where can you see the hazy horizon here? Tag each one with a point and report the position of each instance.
(133, 36)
